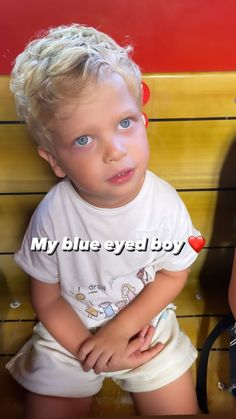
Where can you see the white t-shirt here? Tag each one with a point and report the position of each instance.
(126, 246)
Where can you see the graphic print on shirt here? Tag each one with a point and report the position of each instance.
(90, 309)
(127, 291)
(121, 304)
(108, 309)
(127, 294)
(143, 276)
(94, 288)
(102, 302)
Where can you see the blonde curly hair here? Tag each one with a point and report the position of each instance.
(57, 67)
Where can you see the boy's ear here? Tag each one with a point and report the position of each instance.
(46, 155)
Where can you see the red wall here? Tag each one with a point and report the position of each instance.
(168, 35)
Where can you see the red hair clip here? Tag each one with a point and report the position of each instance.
(145, 99)
(145, 93)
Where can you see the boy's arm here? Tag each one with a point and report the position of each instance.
(232, 288)
(152, 300)
(113, 338)
(65, 326)
(57, 315)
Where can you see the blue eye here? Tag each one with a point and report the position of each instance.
(82, 141)
(125, 123)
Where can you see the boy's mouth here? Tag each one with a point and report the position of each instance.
(122, 176)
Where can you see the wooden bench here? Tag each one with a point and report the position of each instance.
(192, 131)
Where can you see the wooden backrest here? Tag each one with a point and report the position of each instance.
(192, 131)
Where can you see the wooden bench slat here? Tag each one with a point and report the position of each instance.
(205, 208)
(16, 211)
(15, 334)
(25, 171)
(14, 285)
(198, 329)
(190, 155)
(206, 291)
(182, 95)
(191, 95)
(193, 154)
(206, 286)
(7, 101)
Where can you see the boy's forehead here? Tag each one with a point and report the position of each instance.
(113, 85)
(113, 91)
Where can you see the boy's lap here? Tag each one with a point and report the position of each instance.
(45, 367)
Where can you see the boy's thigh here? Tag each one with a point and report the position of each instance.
(167, 366)
(44, 367)
(177, 397)
(48, 407)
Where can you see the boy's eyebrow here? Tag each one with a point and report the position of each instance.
(122, 115)
(86, 130)
(128, 112)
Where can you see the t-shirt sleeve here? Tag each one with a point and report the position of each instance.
(35, 255)
(180, 229)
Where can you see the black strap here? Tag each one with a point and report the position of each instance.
(201, 384)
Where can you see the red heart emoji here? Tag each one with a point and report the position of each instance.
(196, 243)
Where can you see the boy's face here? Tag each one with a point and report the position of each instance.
(101, 144)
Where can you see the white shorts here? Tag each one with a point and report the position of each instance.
(43, 366)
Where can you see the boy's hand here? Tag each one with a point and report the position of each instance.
(135, 354)
(110, 350)
(147, 333)
(108, 343)
(134, 357)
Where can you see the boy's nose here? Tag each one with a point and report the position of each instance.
(114, 150)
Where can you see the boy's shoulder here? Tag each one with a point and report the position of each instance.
(163, 199)
(160, 187)
(55, 200)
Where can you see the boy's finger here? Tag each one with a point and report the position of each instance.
(134, 346)
(143, 332)
(155, 349)
(101, 363)
(91, 360)
(84, 350)
(143, 357)
(148, 338)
